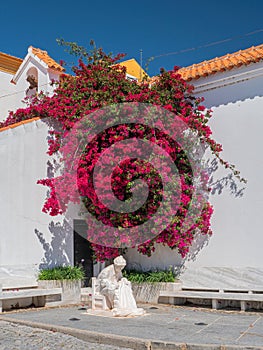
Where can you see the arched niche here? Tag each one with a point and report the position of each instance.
(32, 79)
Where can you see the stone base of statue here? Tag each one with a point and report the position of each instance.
(128, 312)
(112, 314)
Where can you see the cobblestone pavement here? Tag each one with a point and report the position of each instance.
(18, 337)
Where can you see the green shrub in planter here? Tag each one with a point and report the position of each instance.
(149, 276)
(62, 273)
(68, 278)
(147, 285)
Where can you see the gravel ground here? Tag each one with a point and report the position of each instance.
(18, 337)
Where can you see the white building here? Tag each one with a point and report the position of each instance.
(23, 78)
(232, 86)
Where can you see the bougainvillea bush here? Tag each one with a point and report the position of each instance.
(98, 81)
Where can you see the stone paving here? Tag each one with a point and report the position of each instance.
(18, 337)
(180, 325)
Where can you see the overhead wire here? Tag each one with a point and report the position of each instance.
(18, 92)
(208, 44)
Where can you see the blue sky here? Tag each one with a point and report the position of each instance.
(156, 27)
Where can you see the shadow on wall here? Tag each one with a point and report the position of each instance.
(164, 257)
(200, 242)
(226, 182)
(246, 90)
(57, 252)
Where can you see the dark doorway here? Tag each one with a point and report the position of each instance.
(82, 250)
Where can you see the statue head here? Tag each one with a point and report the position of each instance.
(119, 262)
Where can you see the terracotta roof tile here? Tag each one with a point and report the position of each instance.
(224, 63)
(18, 124)
(8, 63)
(43, 56)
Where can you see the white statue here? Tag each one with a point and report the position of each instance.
(117, 290)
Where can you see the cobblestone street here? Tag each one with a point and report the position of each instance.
(17, 337)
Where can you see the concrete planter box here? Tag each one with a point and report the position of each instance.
(71, 291)
(149, 292)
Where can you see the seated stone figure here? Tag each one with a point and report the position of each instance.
(117, 290)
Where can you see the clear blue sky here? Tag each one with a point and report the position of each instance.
(156, 27)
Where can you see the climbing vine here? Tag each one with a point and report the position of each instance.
(99, 81)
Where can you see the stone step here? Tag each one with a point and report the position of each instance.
(214, 295)
(37, 296)
(224, 290)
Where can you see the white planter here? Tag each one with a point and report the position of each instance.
(71, 290)
(149, 292)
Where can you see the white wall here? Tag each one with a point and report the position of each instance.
(28, 236)
(10, 96)
(233, 255)
(162, 258)
(238, 239)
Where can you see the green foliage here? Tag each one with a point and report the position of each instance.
(149, 276)
(73, 48)
(62, 273)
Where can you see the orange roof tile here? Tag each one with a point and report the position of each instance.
(9, 64)
(43, 56)
(225, 63)
(18, 124)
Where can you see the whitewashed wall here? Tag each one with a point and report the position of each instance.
(28, 236)
(162, 259)
(238, 238)
(233, 256)
(10, 96)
